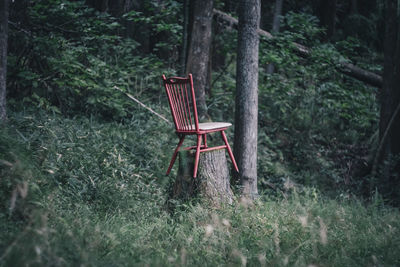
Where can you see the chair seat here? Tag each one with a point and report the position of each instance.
(213, 125)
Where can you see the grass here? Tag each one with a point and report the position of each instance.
(97, 192)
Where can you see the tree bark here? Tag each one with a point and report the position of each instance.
(349, 69)
(199, 51)
(389, 127)
(4, 8)
(212, 182)
(246, 112)
(276, 23)
(183, 55)
(360, 74)
(115, 7)
(119, 7)
(327, 15)
(100, 5)
(353, 7)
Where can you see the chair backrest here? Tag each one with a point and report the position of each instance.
(182, 102)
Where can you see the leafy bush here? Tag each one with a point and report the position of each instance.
(73, 57)
(314, 121)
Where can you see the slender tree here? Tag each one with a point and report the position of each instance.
(183, 54)
(245, 144)
(353, 7)
(4, 5)
(199, 51)
(389, 128)
(276, 24)
(327, 16)
(101, 5)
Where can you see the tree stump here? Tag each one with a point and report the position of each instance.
(212, 182)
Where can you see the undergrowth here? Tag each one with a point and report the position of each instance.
(96, 196)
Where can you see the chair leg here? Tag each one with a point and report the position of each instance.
(175, 154)
(229, 151)
(205, 140)
(196, 160)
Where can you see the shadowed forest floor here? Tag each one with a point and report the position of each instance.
(97, 195)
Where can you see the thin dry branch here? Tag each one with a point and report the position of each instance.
(143, 105)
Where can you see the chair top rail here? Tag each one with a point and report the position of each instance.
(176, 80)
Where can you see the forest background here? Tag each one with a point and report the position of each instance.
(82, 166)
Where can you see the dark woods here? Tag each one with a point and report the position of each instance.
(66, 56)
(316, 109)
(311, 87)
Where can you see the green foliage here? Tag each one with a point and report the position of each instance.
(301, 27)
(82, 190)
(315, 124)
(100, 167)
(164, 22)
(72, 59)
(18, 170)
(364, 28)
(314, 121)
(102, 202)
(20, 184)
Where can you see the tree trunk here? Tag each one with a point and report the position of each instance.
(4, 5)
(245, 144)
(119, 7)
(276, 23)
(390, 175)
(100, 5)
(199, 51)
(212, 182)
(183, 55)
(327, 15)
(353, 7)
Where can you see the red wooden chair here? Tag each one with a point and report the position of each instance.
(182, 102)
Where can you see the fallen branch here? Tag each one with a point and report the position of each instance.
(143, 105)
(344, 67)
(360, 74)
